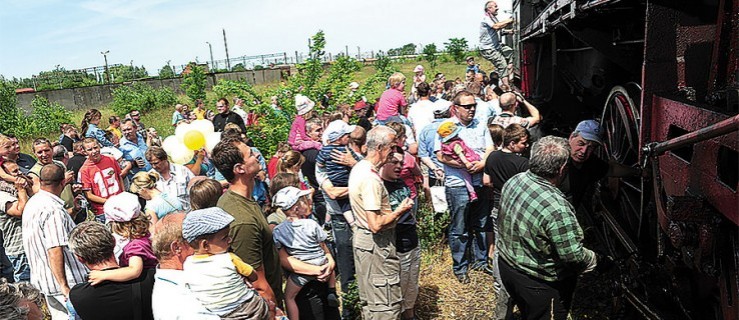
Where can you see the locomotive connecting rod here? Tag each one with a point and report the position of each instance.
(718, 129)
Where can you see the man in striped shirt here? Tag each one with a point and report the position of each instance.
(46, 228)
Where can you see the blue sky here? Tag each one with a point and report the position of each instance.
(38, 35)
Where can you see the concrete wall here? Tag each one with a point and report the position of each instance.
(97, 96)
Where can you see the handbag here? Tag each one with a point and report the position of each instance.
(438, 197)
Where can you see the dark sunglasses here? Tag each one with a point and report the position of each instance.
(468, 106)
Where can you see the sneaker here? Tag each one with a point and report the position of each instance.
(463, 278)
(332, 300)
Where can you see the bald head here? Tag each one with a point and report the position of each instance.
(51, 175)
(507, 101)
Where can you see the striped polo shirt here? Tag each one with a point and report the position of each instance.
(46, 225)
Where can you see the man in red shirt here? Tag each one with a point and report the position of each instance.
(100, 175)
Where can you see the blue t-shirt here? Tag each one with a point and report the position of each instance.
(164, 204)
(301, 238)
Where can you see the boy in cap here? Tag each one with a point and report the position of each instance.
(337, 136)
(303, 239)
(213, 274)
(472, 66)
(455, 148)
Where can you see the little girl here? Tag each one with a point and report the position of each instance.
(133, 245)
(418, 78)
(215, 276)
(303, 239)
(298, 138)
(455, 148)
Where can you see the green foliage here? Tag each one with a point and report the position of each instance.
(457, 48)
(142, 97)
(47, 117)
(272, 128)
(429, 53)
(338, 79)
(350, 300)
(431, 226)
(258, 67)
(310, 71)
(122, 73)
(407, 49)
(239, 67)
(194, 82)
(166, 72)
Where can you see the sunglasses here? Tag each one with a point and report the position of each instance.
(468, 106)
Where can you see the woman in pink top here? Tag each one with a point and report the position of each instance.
(392, 100)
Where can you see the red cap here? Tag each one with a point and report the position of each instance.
(359, 105)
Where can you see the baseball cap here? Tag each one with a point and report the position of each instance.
(336, 129)
(469, 58)
(303, 104)
(122, 207)
(418, 68)
(359, 105)
(590, 130)
(204, 221)
(287, 197)
(448, 130)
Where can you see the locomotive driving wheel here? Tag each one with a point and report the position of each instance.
(621, 121)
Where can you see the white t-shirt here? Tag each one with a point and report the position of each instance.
(421, 114)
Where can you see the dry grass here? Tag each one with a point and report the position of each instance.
(441, 296)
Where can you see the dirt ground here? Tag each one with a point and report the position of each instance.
(441, 296)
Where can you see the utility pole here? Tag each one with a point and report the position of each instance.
(225, 44)
(346, 48)
(212, 64)
(359, 53)
(107, 72)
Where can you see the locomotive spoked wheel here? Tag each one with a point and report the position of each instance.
(621, 122)
(624, 225)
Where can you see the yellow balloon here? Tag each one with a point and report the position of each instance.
(194, 140)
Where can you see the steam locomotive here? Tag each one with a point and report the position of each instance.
(663, 78)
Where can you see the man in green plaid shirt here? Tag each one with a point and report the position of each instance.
(540, 243)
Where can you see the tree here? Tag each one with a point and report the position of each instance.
(194, 81)
(457, 48)
(429, 53)
(238, 67)
(407, 49)
(166, 72)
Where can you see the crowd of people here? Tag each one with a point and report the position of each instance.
(102, 225)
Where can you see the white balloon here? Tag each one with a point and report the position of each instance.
(211, 140)
(170, 143)
(204, 126)
(181, 154)
(181, 130)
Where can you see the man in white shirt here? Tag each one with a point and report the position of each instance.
(46, 228)
(173, 178)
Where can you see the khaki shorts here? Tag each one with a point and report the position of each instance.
(499, 58)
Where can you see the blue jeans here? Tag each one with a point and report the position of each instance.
(6, 267)
(21, 270)
(469, 222)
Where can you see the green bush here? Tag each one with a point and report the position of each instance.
(142, 97)
(432, 226)
(429, 53)
(47, 117)
(194, 82)
(457, 48)
(350, 300)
